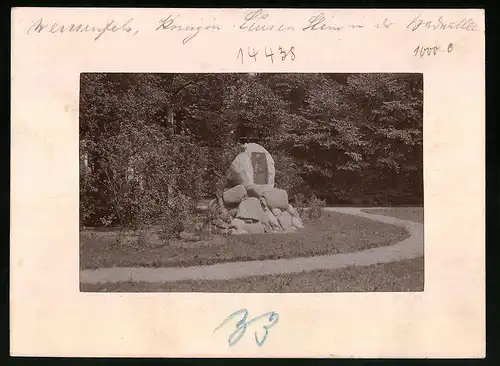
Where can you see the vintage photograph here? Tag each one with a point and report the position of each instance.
(251, 182)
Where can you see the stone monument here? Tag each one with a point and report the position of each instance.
(251, 203)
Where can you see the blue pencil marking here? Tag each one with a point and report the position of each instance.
(242, 324)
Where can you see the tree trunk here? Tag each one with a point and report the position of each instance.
(170, 119)
(170, 115)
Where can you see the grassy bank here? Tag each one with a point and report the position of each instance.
(333, 233)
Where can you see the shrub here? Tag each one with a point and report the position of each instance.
(316, 207)
(205, 226)
(299, 202)
(175, 216)
(143, 177)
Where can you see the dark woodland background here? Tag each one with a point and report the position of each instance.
(157, 143)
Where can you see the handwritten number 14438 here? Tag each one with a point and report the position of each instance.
(281, 53)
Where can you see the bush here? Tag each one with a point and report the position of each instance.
(316, 207)
(205, 223)
(175, 217)
(311, 207)
(299, 202)
(143, 177)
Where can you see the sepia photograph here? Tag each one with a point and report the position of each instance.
(251, 182)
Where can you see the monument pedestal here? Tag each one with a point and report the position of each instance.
(253, 203)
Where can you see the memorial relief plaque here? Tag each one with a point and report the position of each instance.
(259, 164)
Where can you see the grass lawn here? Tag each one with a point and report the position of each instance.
(402, 276)
(333, 233)
(404, 213)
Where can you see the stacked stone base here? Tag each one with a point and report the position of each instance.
(256, 209)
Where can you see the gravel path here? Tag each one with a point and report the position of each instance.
(409, 248)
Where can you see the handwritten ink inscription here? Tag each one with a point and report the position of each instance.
(267, 321)
(317, 23)
(111, 26)
(422, 51)
(252, 53)
(170, 23)
(466, 24)
(257, 21)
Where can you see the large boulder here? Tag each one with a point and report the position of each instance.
(233, 196)
(276, 198)
(251, 209)
(273, 221)
(285, 221)
(292, 211)
(296, 222)
(252, 166)
(241, 170)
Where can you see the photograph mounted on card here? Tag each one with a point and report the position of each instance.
(251, 182)
(239, 182)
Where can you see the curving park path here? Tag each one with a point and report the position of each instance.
(412, 247)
